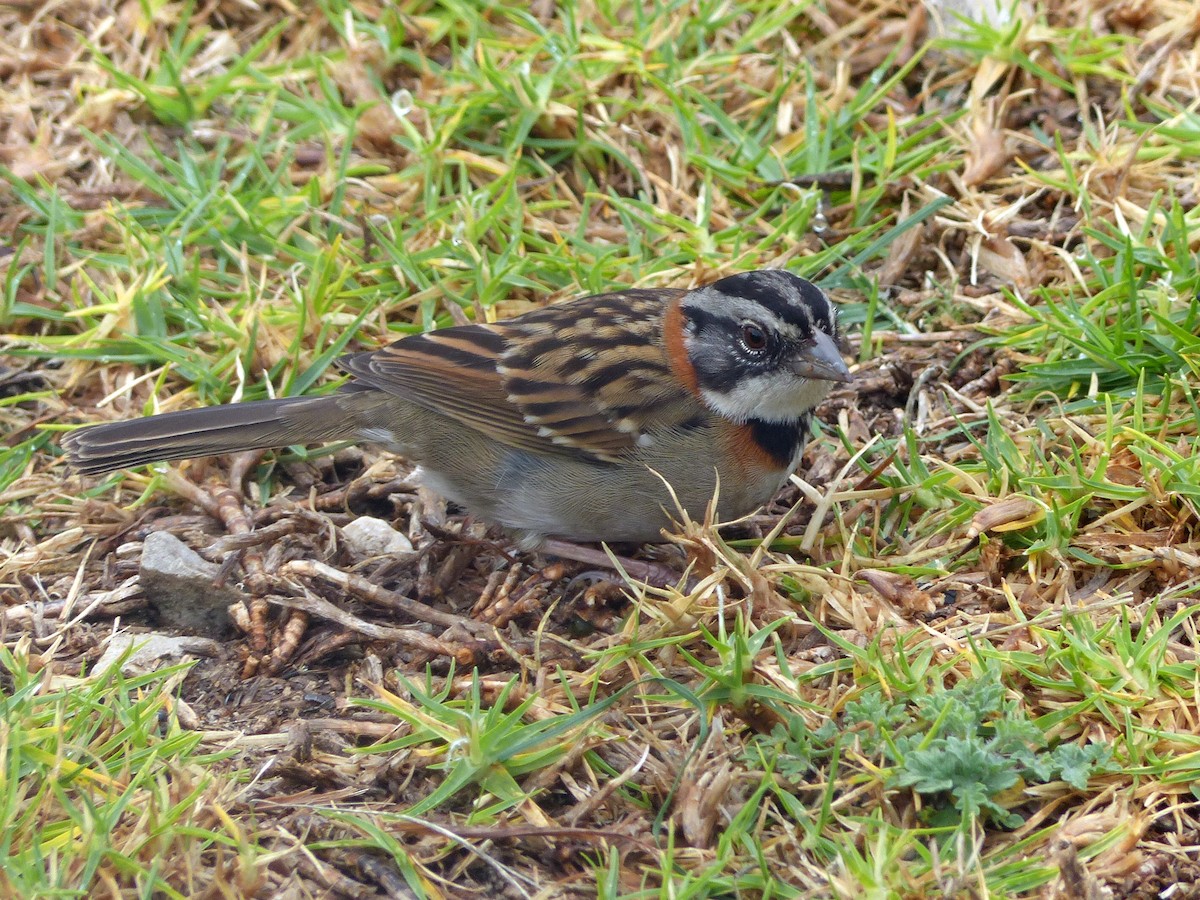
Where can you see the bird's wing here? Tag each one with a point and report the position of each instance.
(589, 377)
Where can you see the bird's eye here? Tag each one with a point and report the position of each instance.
(753, 337)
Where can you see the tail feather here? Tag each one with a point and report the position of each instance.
(205, 432)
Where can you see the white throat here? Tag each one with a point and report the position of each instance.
(774, 397)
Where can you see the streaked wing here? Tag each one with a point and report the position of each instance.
(539, 382)
(608, 386)
(453, 372)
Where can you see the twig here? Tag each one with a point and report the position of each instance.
(314, 605)
(373, 593)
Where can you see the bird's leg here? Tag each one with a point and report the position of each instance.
(655, 574)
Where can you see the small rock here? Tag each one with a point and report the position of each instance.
(366, 536)
(953, 18)
(148, 649)
(182, 587)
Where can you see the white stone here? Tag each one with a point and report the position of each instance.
(144, 652)
(367, 536)
(951, 18)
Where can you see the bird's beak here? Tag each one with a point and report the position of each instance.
(820, 359)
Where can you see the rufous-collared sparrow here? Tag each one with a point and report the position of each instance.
(567, 421)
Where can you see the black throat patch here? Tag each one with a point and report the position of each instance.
(780, 440)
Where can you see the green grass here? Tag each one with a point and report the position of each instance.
(102, 787)
(985, 644)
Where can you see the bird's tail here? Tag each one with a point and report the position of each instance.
(204, 432)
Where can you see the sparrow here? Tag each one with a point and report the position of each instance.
(587, 420)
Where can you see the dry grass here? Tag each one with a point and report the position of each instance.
(956, 659)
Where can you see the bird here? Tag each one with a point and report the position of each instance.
(587, 420)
